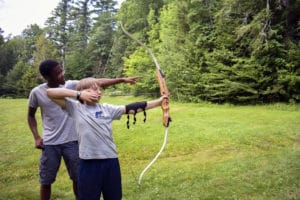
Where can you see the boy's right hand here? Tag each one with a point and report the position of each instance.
(89, 96)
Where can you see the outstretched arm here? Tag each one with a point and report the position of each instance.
(154, 103)
(103, 82)
(136, 107)
(141, 106)
(58, 95)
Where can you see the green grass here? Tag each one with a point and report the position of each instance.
(213, 152)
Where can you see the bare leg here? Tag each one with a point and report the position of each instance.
(45, 192)
(75, 189)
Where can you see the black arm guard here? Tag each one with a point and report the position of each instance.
(135, 106)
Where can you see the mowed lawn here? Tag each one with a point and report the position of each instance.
(213, 152)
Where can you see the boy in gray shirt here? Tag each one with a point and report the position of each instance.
(99, 170)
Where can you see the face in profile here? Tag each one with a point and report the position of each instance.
(57, 75)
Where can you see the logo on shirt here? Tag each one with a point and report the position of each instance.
(98, 114)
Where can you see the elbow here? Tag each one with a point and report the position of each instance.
(31, 120)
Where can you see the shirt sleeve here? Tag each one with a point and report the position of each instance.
(32, 100)
(70, 106)
(115, 111)
(71, 84)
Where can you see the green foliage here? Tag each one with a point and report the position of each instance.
(140, 64)
(10, 51)
(30, 36)
(77, 66)
(215, 50)
(101, 44)
(289, 77)
(59, 27)
(20, 78)
(12, 82)
(45, 49)
(28, 81)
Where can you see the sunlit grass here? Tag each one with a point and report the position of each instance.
(213, 152)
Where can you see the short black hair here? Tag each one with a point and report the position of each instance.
(47, 66)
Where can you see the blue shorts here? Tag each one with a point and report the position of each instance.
(51, 158)
(100, 176)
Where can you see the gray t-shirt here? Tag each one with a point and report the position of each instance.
(58, 127)
(94, 127)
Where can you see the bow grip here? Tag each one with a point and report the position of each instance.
(165, 109)
(164, 92)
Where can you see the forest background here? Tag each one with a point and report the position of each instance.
(220, 51)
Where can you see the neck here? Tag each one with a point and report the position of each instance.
(52, 85)
(90, 104)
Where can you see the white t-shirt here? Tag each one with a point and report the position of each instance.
(94, 127)
(58, 127)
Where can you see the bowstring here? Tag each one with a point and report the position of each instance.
(155, 158)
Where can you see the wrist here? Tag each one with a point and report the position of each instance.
(78, 94)
(36, 136)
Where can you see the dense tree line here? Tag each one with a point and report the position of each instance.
(213, 50)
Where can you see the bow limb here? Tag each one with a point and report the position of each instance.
(161, 80)
(165, 103)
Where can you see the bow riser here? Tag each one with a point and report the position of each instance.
(164, 92)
